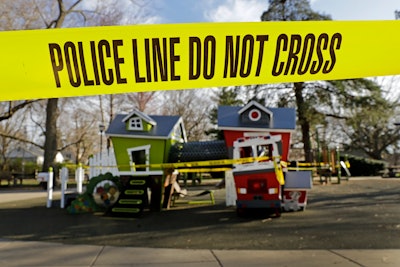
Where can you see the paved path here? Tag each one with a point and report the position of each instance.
(18, 195)
(43, 254)
(35, 254)
(11, 196)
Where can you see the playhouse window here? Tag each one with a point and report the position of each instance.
(246, 152)
(256, 151)
(135, 123)
(264, 151)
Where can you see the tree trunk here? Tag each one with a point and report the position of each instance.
(303, 121)
(50, 145)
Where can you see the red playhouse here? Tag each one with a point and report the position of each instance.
(259, 132)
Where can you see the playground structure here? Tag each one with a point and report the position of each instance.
(148, 149)
(327, 163)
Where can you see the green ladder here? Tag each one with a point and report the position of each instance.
(132, 200)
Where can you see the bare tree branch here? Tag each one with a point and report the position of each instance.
(12, 109)
(24, 140)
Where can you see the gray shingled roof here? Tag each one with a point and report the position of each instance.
(162, 129)
(284, 118)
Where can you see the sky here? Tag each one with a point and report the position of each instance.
(187, 11)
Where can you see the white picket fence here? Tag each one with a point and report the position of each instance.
(99, 164)
(103, 163)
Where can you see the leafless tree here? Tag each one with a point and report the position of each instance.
(14, 126)
(44, 14)
(194, 107)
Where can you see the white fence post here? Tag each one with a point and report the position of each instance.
(91, 169)
(50, 188)
(230, 189)
(79, 178)
(64, 184)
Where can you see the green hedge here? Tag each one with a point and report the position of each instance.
(27, 167)
(364, 167)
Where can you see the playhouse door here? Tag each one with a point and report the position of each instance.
(139, 156)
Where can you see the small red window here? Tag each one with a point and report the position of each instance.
(254, 115)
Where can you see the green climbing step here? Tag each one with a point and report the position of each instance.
(126, 210)
(135, 192)
(132, 199)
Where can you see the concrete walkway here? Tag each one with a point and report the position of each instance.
(32, 254)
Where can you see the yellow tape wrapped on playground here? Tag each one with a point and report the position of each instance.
(220, 165)
(212, 165)
(119, 59)
(192, 165)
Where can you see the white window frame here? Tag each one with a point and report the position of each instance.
(135, 123)
(139, 148)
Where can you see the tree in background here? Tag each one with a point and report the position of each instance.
(11, 127)
(82, 121)
(291, 10)
(193, 106)
(226, 96)
(42, 14)
(296, 10)
(367, 116)
(142, 100)
(338, 107)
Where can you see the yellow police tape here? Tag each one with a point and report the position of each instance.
(119, 59)
(194, 170)
(191, 164)
(209, 165)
